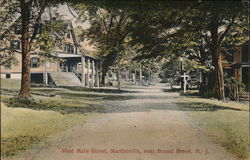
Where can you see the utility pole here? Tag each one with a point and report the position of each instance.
(140, 76)
(182, 70)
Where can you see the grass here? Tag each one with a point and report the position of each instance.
(227, 123)
(25, 123)
(10, 84)
(24, 128)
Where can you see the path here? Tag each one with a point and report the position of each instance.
(150, 122)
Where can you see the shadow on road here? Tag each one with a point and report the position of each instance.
(129, 101)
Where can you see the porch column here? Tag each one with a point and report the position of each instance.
(149, 75)
(135, 76)
(93, 73)
(97, 79)
(88, 68)
(140, 76)
(83, 70)
(45, 78)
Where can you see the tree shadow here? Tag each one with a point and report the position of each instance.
(172, 90)
(99, 90)
(94, 96)
(112, 104)
(180, 106)
(17, 102)
(199, 106)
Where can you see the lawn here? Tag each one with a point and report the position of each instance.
(28, 123)
(226, 123)
(24, 128)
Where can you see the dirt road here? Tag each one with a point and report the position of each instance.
(149, 127)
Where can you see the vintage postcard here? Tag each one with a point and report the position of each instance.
(124, 80)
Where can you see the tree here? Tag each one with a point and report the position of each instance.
(28, 13)
(7, 54)
(29, 10)
(201, 30)
(109, 33)
(218, 22)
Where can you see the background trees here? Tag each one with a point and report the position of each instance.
(109, 32)
(213, 25)
(200, 31)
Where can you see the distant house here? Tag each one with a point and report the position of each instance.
(73, 67)
(241, 68)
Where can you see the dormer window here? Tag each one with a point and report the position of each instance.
(69, 48)
(18, 29)
(15, 45)
(68, 35)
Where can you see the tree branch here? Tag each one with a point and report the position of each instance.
(36, 27)
(71, 12)
(226, 31)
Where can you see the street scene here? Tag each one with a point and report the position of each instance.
(124, 80)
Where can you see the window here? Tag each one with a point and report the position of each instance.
(2, 37)
(18, 29)
(65, 48)
(68, 48)
(7, 75)
(245, 53)
(71, 49)
(15, 45)
(34, 62)
(68, 35)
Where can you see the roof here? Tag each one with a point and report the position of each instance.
(67, 55)
(240, 64)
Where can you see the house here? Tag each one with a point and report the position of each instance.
(241, 71)
(71, 66)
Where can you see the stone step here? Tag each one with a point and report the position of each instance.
(65, 79)
(244, 96)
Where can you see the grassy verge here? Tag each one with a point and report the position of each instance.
(25, 123)
(24, 128)
(227, 123)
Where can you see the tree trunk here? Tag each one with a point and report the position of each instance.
(140, 76)
(219, 82)
(25, 82)
(182, 73)
(104, 72)
(217, 61)
(119, 79)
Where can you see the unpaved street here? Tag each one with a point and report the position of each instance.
(149, 127)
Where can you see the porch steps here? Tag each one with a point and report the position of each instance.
(65, 79)
(244, 96)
